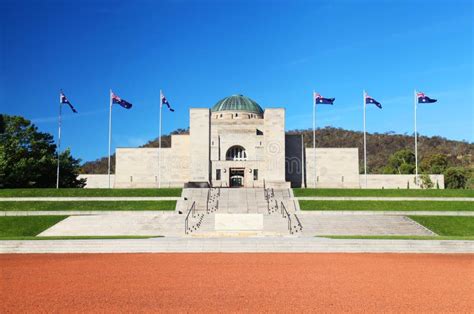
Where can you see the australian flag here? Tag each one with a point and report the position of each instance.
(164, 101)
(318, 99)
(370, 100)
(117, 100)
(422, 99)
(63, 100)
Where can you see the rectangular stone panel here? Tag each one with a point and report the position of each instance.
(238, 222)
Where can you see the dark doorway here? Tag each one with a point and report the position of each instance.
(236, 177)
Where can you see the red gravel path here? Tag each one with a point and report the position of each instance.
(236, 283)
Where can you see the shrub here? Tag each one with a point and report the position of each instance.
(426, 182)
(456, 178)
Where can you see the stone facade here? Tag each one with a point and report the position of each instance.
(240, 144)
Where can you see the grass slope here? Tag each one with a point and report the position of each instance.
(88, 192)
(447, 225)
(26, 226)
(383, 193)
(87, 205)
(388, 205)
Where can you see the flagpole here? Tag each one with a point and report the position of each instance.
(110, 132)
(59, 143)
(365, 141)
(159, 143)
(416, 140)
(314, 138)
(302, 161)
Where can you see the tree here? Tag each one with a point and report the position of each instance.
(28, 157)
(435, 164)
(401, 162)
(455, 178)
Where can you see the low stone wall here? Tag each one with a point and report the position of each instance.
(98, 181)
(397, 181)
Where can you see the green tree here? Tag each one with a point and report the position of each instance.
(456, 178)
(28, 157)
(435, 164)
(401, 162)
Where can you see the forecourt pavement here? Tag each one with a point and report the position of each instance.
(250, 283)
(235, 245)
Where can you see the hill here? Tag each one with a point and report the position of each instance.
(379, 147)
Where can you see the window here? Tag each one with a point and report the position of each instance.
(218, 174)
(236, 153)
(259, 132)
(255, 174)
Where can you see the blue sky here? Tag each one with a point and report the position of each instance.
(198, 52)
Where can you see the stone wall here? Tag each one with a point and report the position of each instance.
(199, 128)
(97, 181)
(274, 135)
(335, 168)
(138, 167)
(397, 181)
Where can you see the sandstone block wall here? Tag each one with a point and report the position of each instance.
(397, 181)
(335, 167)
(97, 181)
(274, 135)
(199, 129)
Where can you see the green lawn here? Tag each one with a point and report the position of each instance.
(79, 238)
(383, 193)
(26, 226)
(401, 237)
(87, 205)
(388, 205)
(88, 192)
(448, 225)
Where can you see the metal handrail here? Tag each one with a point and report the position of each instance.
(283, 212)
(267, 198)
(299, 223)
(186, 221)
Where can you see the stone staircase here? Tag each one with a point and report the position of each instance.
(241, 200)
(268, 203)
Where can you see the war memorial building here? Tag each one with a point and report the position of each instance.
(237, 143)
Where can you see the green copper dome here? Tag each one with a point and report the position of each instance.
(237, 103)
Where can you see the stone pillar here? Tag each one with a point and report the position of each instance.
(199, 131)
(274, 134)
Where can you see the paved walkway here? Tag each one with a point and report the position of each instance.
(230, 245)
(154, 212)
(96, 199)
(371, 198)
(173, 225)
